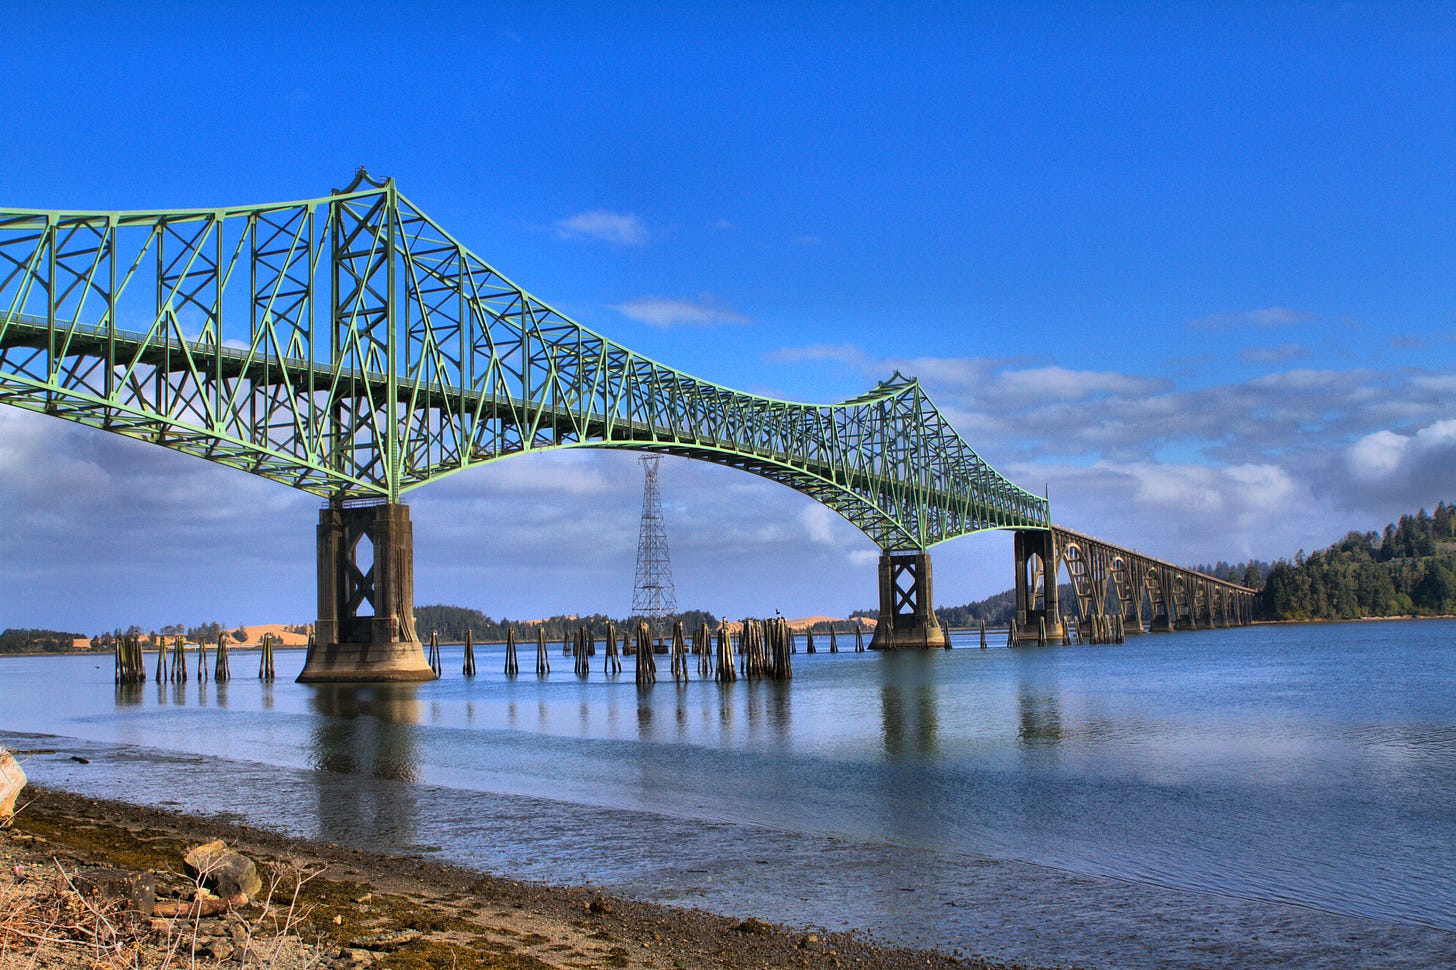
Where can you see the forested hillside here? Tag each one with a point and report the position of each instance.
(1410, 568)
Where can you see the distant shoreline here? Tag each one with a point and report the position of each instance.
(485, 643)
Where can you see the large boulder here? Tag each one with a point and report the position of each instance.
(133, 890)
(12, 780)
(224, 871)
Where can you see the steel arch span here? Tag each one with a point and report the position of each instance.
(351, 347)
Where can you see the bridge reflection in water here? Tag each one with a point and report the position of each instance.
(373, 731)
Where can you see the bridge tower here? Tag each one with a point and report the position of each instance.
(366, 597)
(907, 607)
(1036, 572)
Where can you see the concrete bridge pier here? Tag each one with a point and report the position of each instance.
(907, 609)
(1036, 565)
(365, 631)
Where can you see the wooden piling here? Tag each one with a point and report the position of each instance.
(727, 670)
(222, 666)
(201, 659)
(178, 673)
(646, 664)
(543, 660)
(513, 666)
(467, 665)
(859, 644)
(679, 653)
(265, 659)
(809, 640)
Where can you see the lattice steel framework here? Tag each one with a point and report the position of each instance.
(350, 347)
(653, 593)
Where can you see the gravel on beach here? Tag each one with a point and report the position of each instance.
(331, 907)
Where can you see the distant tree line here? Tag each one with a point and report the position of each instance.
(452, 622)
(17, 640)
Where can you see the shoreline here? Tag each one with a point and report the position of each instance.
(246, 647)
(372, 909)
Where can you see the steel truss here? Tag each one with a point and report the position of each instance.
(350, 347)
(1109, 580)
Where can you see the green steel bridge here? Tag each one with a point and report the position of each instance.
(350, 347)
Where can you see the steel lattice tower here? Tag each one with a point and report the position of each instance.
(653, 594)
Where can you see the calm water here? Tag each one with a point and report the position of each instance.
(1254, 797)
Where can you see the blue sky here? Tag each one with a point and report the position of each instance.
(1190, 266)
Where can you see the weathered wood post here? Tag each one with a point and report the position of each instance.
(201, 659)
(727, 671)
(513, 666)
(222, 667)
(543, 662)
(265, 659)
(983, 633)
(808, 640)
(467, 666)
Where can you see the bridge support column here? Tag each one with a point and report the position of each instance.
(907, 610)
(1036, 561)
(366, 624)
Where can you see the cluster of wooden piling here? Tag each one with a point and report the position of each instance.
(129, 667)
(265, 659)
(646, 663)
(1100, 629)
(612, 663)
(761, 649)
(433, 654)
(513, 664)
(222, 669)
(766, 647)
(679, 652)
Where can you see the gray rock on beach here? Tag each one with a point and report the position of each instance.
(224, 871)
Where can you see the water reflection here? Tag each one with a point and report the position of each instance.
(909, 705)
(1039, 716)
(365, 746)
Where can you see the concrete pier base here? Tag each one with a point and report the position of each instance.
(365, 631)
(907, 611)
(1036, 569)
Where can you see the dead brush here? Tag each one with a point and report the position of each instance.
(48, 914)
(46, 921)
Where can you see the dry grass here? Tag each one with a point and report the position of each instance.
(46, 921)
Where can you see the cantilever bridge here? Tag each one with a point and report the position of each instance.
(350, 347)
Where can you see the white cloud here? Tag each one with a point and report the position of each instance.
(664, 312)
(1273, 355)
(834, 353)
(1262, 319)
(623, 228)
(1060, 384)
(1419, 467)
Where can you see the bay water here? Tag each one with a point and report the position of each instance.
(1263, 796)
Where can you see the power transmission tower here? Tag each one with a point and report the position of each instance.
(653, 594)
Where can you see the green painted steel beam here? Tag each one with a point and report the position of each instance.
(348, 346)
